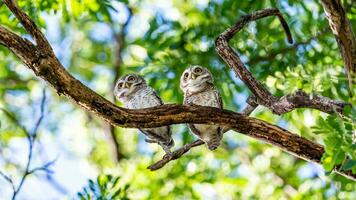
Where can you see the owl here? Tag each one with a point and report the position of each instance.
(133, 91)
(198, 87)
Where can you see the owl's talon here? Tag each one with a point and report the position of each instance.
(168, 154)
(212, 148)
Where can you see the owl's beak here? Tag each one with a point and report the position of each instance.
(126, 85)
(121, 94)
(193, 77)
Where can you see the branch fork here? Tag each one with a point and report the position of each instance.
(277, 105)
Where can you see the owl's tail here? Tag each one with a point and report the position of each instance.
(171, 143)
(214, 141)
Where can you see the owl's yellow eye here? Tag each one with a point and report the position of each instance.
(198, 70)
(186, 75)
(120, 85)
(131, 78)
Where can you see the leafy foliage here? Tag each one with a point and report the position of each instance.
(104, 188)
(339, 138)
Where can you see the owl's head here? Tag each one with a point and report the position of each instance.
(195, 79)
(128, 85)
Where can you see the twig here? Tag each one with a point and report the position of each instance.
(49, 176)
(55, 184)
(9, 180)
(175, 155)
(264, 97)
(251, 106)
(44, 167)
(31, 139)
(42, 107)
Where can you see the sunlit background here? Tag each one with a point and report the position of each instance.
(159, 42)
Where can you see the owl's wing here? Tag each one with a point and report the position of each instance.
(195, 130)
(187, 100)
(221, 105)
(152, 135)
(156, 95)
(221, 130)
(218, 98)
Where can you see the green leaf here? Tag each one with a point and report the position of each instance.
(349, 164)
(328, 163)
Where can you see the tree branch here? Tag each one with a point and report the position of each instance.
(21, 47)
(175, 155)
(52, 71)
(8, 179)
(29, 25)
(251, 105)
(264, 97)
(344, 35)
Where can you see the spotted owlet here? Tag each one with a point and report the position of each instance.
(198, 87)
(134, 92)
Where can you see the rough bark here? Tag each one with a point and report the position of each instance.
(263, 96)
(41, 59)
(344, 35)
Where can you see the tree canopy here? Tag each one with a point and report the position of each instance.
(301, 95)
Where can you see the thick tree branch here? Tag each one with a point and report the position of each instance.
(52, 71)
(345, 37)
(264, 97)
(302, 100)
(21, 47)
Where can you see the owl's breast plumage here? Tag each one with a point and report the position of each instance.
(207, 98)
(144, 98)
